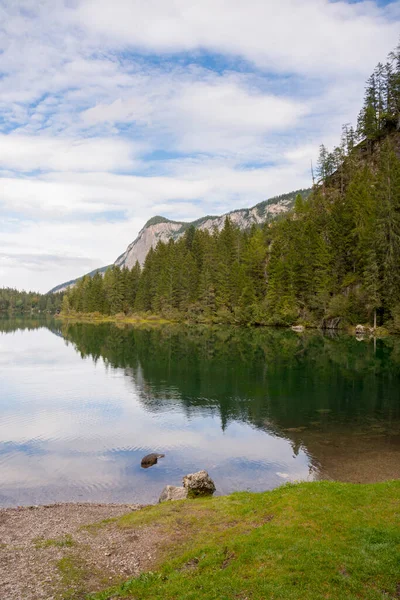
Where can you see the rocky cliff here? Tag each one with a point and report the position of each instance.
(162, 229)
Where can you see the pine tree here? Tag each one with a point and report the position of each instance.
(254, 259)
(227, 264)
(394, 87)
(372, 283)
(388, 223)
(66, 305)
(114, 288)
(132, 285)
(145, 291)
(368, 125)
(322, 170)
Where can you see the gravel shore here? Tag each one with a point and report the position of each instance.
(46, 552)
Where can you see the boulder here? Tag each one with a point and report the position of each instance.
(360, 329)
(298, 328)
(150, 459)
(198, 484)
(171, 492)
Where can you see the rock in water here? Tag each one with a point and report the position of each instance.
(150, 459)
(198, 484)
(171, 492)
(298, 328)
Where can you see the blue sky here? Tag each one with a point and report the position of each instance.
(112, 112)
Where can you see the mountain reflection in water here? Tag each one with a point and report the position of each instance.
(256, 407)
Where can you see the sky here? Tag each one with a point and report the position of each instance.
(113, 112)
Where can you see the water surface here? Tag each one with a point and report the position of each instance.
(81, 404)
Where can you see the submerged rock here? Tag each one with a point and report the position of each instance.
(199, 484)
(298, 328)
(171, 492)
(150, 459)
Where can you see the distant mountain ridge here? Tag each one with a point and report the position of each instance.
(160, 228)
(67, 284)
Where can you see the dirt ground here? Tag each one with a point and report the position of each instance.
(55, 552)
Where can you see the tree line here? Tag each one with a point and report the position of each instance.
(378, 117)
(14, 302)
(333, 260)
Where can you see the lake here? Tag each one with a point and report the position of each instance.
(81, 404)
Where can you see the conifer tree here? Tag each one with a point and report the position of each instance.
(372, 283)
(388, 223)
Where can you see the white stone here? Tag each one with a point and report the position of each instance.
(199, 484)
(171, 492)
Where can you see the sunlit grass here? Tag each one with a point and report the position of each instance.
(119, 318)
(307, 541)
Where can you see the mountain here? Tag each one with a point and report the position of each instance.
(67, 284)
(161, 229)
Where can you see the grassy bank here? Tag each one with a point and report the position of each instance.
(149, 319)
(96, 317)
(307, 541)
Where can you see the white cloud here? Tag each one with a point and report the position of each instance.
(312, 36)
(43, 262)
(214, 102)
(44, 153)
(228, 105)
(61, 196)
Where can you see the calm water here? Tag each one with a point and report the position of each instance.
(80, 405)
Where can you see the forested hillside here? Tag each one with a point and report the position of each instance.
(15, 302)
(162, 229)
(333, 260)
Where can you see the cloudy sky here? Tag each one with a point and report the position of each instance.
(114, 111)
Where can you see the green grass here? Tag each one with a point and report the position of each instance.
(97, 318)
(73, 575)
(63, 542)
(308, 541)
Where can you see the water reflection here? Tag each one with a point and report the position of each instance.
(81, 408)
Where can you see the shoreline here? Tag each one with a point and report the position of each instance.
(157, 320)
(125, 320)
(96, 318)
(33, 507)
(105, 551)
(48, 551)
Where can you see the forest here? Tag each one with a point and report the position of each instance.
(14, 302)
(333, 261)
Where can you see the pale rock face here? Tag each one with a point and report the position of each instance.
(63, 287)
(161, 229)
(164, 230)
(148, 238)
